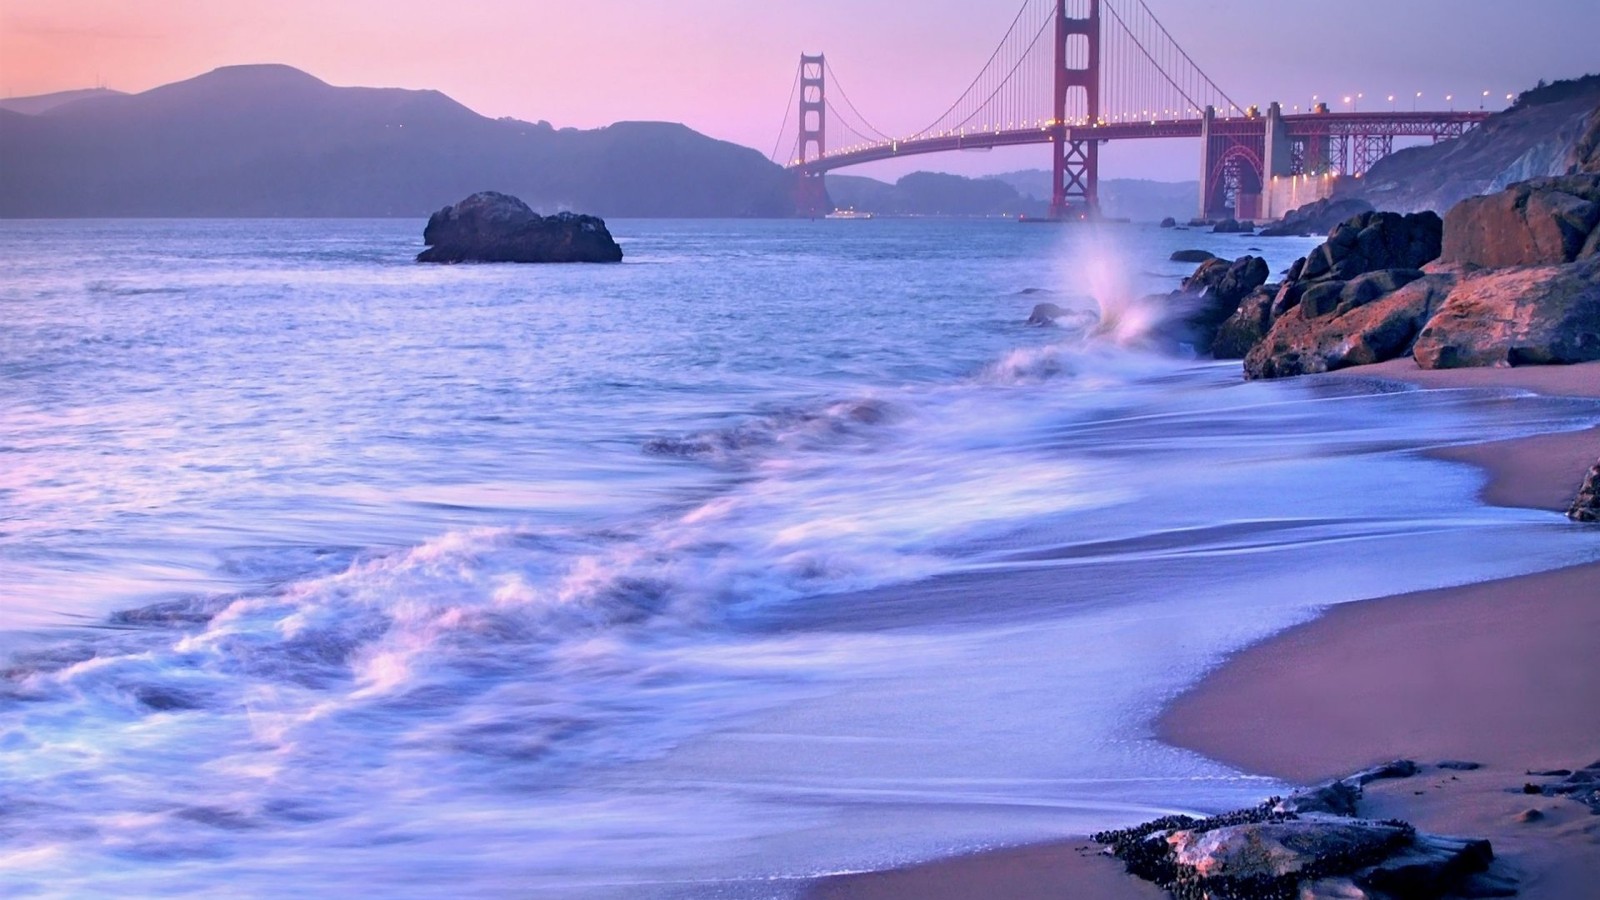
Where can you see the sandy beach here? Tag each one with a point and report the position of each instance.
(1499, 673)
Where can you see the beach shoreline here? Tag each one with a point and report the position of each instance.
(1496, 673)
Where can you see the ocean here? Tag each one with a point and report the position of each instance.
(781, 548)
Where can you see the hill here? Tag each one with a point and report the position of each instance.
(931, 194)
(44, 102)
(1536, 136)
(1137, 199)
(270, 140)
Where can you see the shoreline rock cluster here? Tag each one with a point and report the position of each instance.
(1313, 845)
(493, 227)
(1502, 280)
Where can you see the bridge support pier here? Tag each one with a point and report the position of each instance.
(1075, 161)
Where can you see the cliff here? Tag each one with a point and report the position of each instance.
(1538, 136)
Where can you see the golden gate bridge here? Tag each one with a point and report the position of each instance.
(1075, 74)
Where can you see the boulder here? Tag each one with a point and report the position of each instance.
(1520, 316)
(1247, 326)
(1540, 222)
(1194, 256)
(1317, 217)
(1169, 222)
(1383, 328)
(1233, 226)
(494, 227)
(1045, 314)
(1215, 290)
(1586, 506)
(1312, 846)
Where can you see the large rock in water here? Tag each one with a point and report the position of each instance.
(1521, 316)
(1545, 221)
(494, 227)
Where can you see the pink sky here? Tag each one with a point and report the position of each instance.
(725, 66)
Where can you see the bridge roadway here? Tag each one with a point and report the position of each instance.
(1330, 124)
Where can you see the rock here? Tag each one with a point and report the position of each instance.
(1216, 289)
(1233, 226)
(1247, 326)
(1300, 343)
(1194, 256)
(1045, 314)
(1317, 217)
(495, 227)
(1459, 765)
(1539, 222)
(1430, 867)
(1521, 316)
(1530, 815)
(1321, 298)
(1169, 222)
(1339, 798)
(1273, 850)
(1586, 506)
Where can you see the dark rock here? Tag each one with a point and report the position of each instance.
(1399, 768)
(1459, 765)
(1550, 773)
(1045, 314)
(1430, 867)
(1321, 298)
(1317, 217)
(1169, 222)
(1194, 256)
(1586, 506)
(1530, 815)
(495, 227)
(1233, 226)
(1338, 798)
(1521, 316)
(1216, 289)
(1540, 222)
(1364, 289)
(1247, 326)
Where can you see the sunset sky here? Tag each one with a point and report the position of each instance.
(725, 67)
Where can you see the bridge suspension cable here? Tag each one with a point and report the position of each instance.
(788, 113)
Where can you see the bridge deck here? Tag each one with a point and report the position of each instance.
(1394, 124)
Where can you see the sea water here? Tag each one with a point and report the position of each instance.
(780, 548)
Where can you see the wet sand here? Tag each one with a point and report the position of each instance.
(1502, 673)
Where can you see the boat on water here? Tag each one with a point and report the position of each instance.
(847, 214)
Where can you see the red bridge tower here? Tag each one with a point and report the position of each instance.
(1075, 191)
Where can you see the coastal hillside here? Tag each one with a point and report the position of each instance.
(931, 194)
(40, 103)
(1024, 192)
(1535, 137)
(270, 140)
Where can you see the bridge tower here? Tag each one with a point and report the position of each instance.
(812, 191)
(1075, 188)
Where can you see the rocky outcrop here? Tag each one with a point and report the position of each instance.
(494, 227)
(1211, 297)
(1247, 326)
(1232, 226)
(1194, 256)
(1585, 155)
(1312, 845)
(1352, 332)
(1540, 222)
(1586, 506)
(1520, 316)
(1318, 217)
(1346, 303)
(1169, 222)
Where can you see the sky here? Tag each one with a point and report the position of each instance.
(725, 67)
